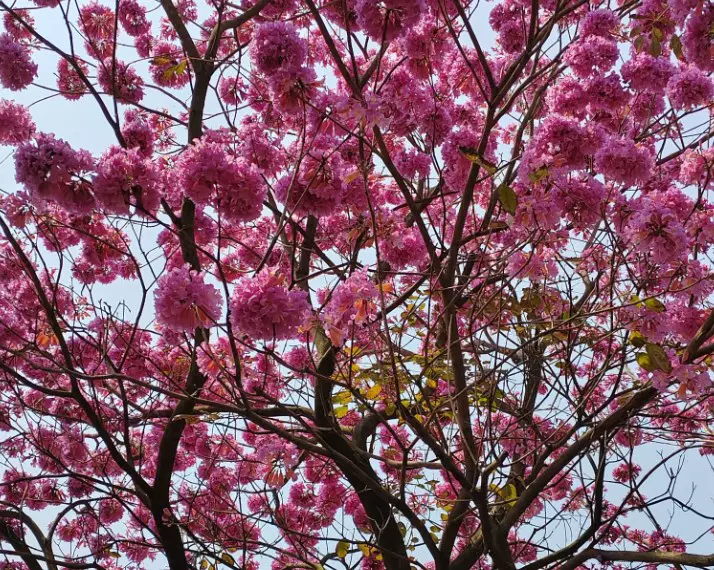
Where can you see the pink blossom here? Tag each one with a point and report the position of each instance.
(352, 303)
(15, 28)
(621, 160)
(690, 88)
(697, 38)
(120, 80)
(263, 308)
(644, 72)
(132, 17)
(124, 178)
(16, 124)
(388, 19)
(17, 70)
(276, 47)
(601, 22)
(69, 81)
(591, 55)
(207, 173)
(52, 170)
(605, 92)
(558, 143)
(183, 301)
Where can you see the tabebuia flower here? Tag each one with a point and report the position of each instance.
(97, 24)
(644, 72)
(276, 47)
(17, 70)
(183, 301)
(621, 160)
(388, 19)
(51, 170)
(120, 80)
(126, 178)
(698, 40)
(319, 186)
(14, 26)
(208, 174)
(263, 307)
(16, 124)
(69, 81)
(351, 306)
(132, 17)
(591, 55)
(559, 143)
(656, 229)
(690, 88)
(601, 22)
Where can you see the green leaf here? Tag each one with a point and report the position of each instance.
(655, 305)
(637, 340)
(675, 44)
(342, 548)
(472, 155)
(341, 411)
(658, 357)
(655, 46)
(645, 362)
(508, 198)
(539, 174)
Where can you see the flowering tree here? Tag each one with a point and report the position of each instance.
(398, 289)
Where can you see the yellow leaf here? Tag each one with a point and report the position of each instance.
(342, 397)
(228, 560)
(472, 155)
(364, 548)
(373, 392)
(341, 411)
(342, 548)
(508, 198)
(658, 357)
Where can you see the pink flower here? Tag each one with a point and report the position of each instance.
(606, 92)
(697, 38)
(602, 22)
(591, 55)
(52, 170)
(17, 70)
(124, 177)
(690, 88)
(655, 229)
(69, 81)
(262, 307)
(558, 143)
(388, 19)
(646, 73)
(120, 80)
(16, 124)
(184, 302)
(132, 17)
(353, 302)
(276, 47)
(620, 160)
(208, 174)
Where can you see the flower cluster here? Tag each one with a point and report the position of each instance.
(17, 70)
(184, 301)
(263, 308)
(208, 173)
(16, 124)
(51, 170)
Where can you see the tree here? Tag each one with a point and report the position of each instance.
(358, 283)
